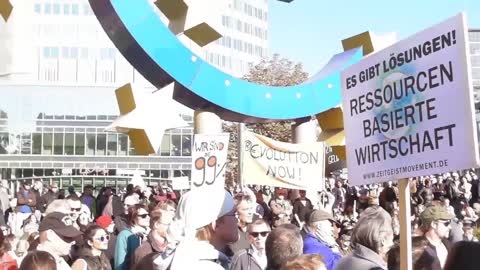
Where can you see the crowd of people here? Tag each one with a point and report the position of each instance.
(343, 227)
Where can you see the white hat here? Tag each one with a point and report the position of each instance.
(198, 208)
(131, 200)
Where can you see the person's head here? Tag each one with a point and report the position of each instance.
(27, 184)
(71, 190)
(75, 206)
(345, 241)
(319, 223)
(221, 232)
(436, 221)
(373, 230)
(281, 193)
(257, 233)
(137, 215)
(130, 189)
(57, 233)
(53, 188)
(463, 255)
(306, 262)
(96, 238)
(38, 260)
(61, 206)
(421, 260)
(38, 185)
(88, 190)
(130, 201)
(427, 183)
(283, 244)
(244, 207)
(108, 192)
(158, 230)
(106, 223)
(259, 196)
(303, 194)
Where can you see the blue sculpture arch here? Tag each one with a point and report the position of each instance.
(146, 42)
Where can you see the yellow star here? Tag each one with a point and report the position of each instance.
(145, 119)
(5, 9)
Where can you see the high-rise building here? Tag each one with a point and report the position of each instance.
(58, 74)
(474, 38)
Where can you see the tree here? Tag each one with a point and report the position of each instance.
(275, 71)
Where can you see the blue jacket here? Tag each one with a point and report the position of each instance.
(125, 246)
(311, 245)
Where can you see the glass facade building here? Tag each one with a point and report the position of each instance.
(58, 74)
(474, 37)
(48, 131)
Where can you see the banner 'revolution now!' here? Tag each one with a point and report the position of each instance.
(273, 163)
(408, 109)
(209, 157)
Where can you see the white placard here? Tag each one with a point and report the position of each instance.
(279, 164)
(209, 160)
(180, 183)
(408, 109)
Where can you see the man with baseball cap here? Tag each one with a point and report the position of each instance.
(320, 238)
(436, 228)
(57, 235)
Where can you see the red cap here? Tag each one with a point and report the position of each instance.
(104, 221)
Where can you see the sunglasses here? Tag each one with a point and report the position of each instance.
(103, 238)
(255, 234)
(143, 216)
(445, 223)
(75, 209)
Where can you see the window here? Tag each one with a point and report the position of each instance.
(69, 144)
(54, 52)
(37, 143)
(47, 8)
(101, 144)
(80, 144)
(84, 53)
(90, 144)
(123, 144)
(87, 10)
(75, 9)
(65, 52)
(47, 144)
(176, 145)
(37, 8)
(165, 147)
(187, 145)
(66, 9)
(58, 144)
(74, 53)
(46, 52)
(56, 8)
(112, 145)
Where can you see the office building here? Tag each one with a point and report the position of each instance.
(58, 74)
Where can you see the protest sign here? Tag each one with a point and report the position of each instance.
(269, 162)
(209, 157)
(180, 183)
(332, 162)
(408, 109)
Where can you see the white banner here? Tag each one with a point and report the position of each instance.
(272, 163)
(209, 157)
(408, 109)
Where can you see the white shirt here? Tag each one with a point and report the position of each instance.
(442, 253)
(260, 257)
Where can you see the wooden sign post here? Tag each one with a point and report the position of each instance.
(405, 226)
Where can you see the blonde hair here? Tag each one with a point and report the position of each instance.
(306, 262)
